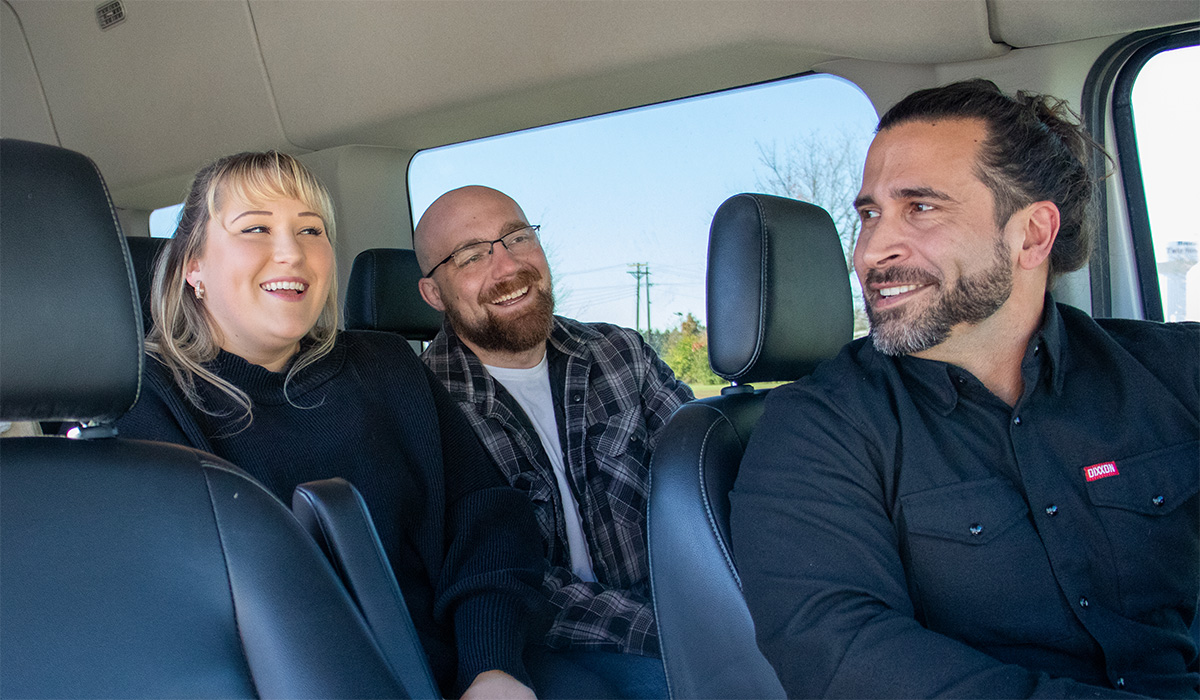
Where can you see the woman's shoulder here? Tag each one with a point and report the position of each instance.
(387, 361)
(156, 376)
(160, 412)
(381, 352)
(376, 342)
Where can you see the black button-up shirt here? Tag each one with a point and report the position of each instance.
(901, 531)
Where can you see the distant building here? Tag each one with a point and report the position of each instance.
(1182, 256)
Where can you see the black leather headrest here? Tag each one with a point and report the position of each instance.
(382, 295)
(778, 290)
(71, 345)
(144, 252)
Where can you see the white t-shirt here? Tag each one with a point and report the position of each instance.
(531, 388)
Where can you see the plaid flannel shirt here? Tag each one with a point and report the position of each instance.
(617, 396)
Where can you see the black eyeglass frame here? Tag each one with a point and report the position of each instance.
(491, 246)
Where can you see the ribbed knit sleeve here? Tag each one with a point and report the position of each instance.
(491, 576)
(462, 543)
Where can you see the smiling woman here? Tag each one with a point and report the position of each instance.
(250, 221)
(246, 362)
(261, 319)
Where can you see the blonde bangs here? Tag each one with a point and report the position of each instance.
(272, 176)
(262, 177)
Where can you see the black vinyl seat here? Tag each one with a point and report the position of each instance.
(132, 568)
(382, 295)
(778, 302)
(333, 512)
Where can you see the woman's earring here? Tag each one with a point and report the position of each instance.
(199, 289)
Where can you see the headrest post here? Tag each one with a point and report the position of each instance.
(93, 431)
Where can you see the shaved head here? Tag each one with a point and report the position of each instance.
(442, 227)
(501, 305)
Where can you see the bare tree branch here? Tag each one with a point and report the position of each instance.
(823, 170)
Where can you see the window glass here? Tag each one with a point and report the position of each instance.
(625, 200)
(163, 221)
(1165, 107)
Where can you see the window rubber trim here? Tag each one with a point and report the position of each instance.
(1113, 74)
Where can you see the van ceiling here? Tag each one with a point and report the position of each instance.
(179, 83)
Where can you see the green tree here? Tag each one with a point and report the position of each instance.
(686, 353)
(659, 341)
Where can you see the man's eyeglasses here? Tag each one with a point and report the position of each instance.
(517, 242)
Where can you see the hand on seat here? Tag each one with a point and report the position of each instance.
(497, 684)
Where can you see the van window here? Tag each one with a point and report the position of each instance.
(163, 221)
(1164, 104)
(625, 200)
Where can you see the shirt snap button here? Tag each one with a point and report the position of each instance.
(1120, 682)
(976, 529)
(1083, 602)
(1052, 511)
(1158, 500)
(577, 398)
(1017, 420)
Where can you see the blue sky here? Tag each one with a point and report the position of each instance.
(640, 186)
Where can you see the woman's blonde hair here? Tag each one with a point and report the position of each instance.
(183, 336)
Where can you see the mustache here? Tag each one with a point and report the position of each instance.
(901, 275)
(527, 277)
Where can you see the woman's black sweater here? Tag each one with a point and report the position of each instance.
(463, 544)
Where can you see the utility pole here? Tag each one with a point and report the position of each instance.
(648, 326)
(641, 270)
(637, 299)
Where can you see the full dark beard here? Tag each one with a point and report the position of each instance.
(970, 301)
(513, 335)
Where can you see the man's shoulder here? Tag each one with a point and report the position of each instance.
(439, 346)
(1136, 334)
(603, 340)
(446, 356)
(585, 331)
(849, 383)
(1164, 345)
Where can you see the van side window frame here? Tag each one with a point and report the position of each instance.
(1114, 73)
(1129, 161)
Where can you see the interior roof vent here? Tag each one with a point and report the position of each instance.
(110, 14)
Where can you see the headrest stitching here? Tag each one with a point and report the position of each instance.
(129, 275)
(712, 521)
(759, 339)
(373, 290)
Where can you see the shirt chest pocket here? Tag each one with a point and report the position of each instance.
(535, 486)
(618, 449)
(976, 566)
(1148, 507)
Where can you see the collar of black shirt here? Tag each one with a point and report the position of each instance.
(942, 381)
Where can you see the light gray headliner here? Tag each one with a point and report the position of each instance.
(179, 83)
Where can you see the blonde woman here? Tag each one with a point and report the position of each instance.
(246, 362)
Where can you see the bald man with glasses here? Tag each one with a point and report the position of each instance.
(570, 412)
